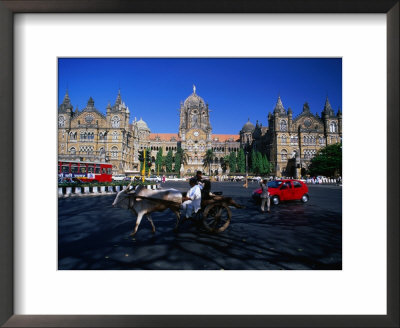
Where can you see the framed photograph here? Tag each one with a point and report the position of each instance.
(57, 52)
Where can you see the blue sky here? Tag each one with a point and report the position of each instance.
(235, 88)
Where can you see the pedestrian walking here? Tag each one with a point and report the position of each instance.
(265, 195)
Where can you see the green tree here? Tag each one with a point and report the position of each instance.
(232, 162)
(266, 165)
(225, 163)
(208, 159)
(177, 162)
(180, 157)
(259, 163)
(168, 162)
(253, 161)
(159, 160)
(328, 161)
(241, 161)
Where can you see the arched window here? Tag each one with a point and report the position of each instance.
(284, 140)
(333, 127)
(114, 152)
(115, 136)
(284, 155)
(283, 125)
(72, 150)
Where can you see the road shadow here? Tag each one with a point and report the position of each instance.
(94, 236)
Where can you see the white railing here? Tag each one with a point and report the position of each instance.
(95, 190)
(322, 181)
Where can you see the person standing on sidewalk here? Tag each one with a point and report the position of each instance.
(264, 195)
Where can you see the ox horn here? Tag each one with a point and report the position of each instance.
(128, 186)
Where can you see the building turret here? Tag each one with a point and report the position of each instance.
(246, 133)
(279, 109)
(328, 111)
(65, 106)
(306, 107)
(90, 103)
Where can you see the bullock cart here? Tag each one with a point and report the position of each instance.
(214, 212)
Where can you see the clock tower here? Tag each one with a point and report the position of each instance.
(195, 130)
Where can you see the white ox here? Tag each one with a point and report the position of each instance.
(142, 201)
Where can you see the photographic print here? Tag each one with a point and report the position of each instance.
(199, 163)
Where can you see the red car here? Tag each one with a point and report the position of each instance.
(282, 190)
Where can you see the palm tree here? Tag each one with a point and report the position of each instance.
(181, 157)
(184, 156)
(208, 159)
(225, 163)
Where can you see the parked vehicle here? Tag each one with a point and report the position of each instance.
(153, 178)
(119, 177)
(283, 190)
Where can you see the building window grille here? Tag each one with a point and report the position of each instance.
(114, 152)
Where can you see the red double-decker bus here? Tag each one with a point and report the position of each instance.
(85, 171)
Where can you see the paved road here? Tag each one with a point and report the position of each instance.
(95, 236)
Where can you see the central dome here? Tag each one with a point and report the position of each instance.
(142, 125)
(248, 127)
(194, 100)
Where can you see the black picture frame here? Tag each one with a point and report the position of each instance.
(7, 10)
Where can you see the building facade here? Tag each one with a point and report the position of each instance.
(289, 142)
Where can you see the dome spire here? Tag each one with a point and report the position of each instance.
(194, 88)
(66, 97)
(118, 101)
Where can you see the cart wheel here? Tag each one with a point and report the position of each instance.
(216, 217)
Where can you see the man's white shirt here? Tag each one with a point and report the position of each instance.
(194, 194)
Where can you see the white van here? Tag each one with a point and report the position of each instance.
(118, 177)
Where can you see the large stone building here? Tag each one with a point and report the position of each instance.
(289, 142)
